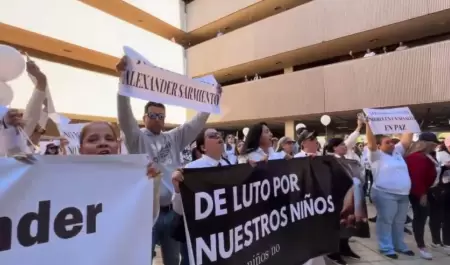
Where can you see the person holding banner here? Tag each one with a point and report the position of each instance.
(15, 127)
(165, 149)
(99, 138)
(307, 142)
(209, 142)
(390, 190)
(285, 147)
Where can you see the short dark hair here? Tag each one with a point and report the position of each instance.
(379, 138)
(153, 104)
(332, 143)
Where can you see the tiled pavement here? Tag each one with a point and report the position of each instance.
(368, 250)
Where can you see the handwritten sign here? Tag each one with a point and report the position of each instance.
(392, 121)
(149, 82)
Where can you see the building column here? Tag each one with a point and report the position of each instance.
(288, 70)
(289, 129)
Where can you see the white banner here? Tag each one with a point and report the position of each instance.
(72, 133)
(76, 210)
(392, 121)
(3, 111)
(148, 82)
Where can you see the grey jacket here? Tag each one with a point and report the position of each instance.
(164, 149)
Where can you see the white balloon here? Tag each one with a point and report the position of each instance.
(325, 120)
(299, 126)
(6, 94)
(12, 63)
(245, 131)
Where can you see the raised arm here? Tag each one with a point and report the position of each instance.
(406, 140)
(127, 122)
(186, 133)
(351, 140)
(33, 109)
(371, 140)
(373, 153)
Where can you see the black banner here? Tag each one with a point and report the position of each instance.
(280, 212)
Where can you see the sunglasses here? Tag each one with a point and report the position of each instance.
(156, 116)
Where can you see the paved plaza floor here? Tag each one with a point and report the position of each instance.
(368, 250)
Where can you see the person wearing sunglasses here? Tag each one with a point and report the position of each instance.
(165, 148)
(285, 147)
(308, 143)
(210, 144)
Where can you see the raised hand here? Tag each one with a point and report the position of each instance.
(122, 64)
(152, 171)
(36, 72)
(177, 177)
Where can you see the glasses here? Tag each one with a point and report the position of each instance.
(156, 116)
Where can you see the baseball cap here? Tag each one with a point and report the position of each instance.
(429, 137)
(304, 134)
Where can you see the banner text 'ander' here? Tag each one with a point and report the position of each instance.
(57, 211)
(67, 224)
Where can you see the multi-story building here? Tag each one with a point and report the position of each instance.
(309, 55)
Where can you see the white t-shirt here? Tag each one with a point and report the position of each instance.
(257, 156)
(202, 162)
(304, 154)
(390, 172)
(230, 155)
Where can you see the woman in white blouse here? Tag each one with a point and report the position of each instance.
(390, 191)
(230, 149)
(210, 144)
(285, 147)
(257, 145)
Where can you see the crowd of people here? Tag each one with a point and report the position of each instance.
(395, 174)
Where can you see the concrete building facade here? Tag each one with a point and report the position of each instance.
(309, 54)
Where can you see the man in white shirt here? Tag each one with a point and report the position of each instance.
(369, 53)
